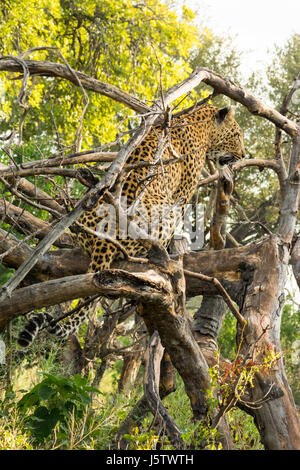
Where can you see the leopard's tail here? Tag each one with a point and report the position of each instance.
(61, 329)
(36, 323)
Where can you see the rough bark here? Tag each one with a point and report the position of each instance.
(255, 276)
(28, 168)
(52, 69)
(26, 223)
(94, 194)
(52, 265)
(277, 421)
(218, 225)
(167, 385)
(295, 260)
(277, 418)
(230, 266)
(131, 364)
(209, 317)
(153, 356)
(30, 189)
(132, 360)
(220, 85)
(252, 274)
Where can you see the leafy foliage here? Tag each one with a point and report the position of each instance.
(5, 274)
(134, 46)
(53, 401)
(119, 41)
(284, 70)
(289, 338)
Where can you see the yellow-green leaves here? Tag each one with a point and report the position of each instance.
(133, 45)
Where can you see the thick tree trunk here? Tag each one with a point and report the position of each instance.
(276, 418)
(162, 418)
(255, 277)
(167, 385)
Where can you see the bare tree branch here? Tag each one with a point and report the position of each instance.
(92, 197)
(220, 85)
(30, 189)
(52, 69)
(24, 169)
(26, 223)
(240, 165)
(153, 356)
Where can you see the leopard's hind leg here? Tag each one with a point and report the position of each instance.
(101, 259)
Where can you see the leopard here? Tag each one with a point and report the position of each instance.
(163, 171)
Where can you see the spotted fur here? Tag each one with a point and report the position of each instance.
(205, 132)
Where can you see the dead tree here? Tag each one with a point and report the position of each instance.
(251, 276)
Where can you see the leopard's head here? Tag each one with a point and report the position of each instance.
(226, 143)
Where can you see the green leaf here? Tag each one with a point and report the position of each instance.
(80, 381)
(43, 421)
(29, 400)
(41, 413)
(45, 392)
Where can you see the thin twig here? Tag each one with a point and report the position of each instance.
(104, 236)
(29, 201)
(242, 321)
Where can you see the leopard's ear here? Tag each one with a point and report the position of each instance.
(223, 113)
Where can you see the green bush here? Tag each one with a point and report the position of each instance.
(289, 338)
(53, 402)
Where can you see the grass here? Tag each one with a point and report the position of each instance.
(99, 424)
(96, 429)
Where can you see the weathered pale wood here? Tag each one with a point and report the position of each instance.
(153, 357)
(220, 85)
(218, 223)
(240, 165)
(30, 189)
(28, 168)
(290, 203)
(93, 195)
(277, 418)
(162, 309)
(167, 385)
(57, 265)
(295, 261)
(52, 69)
(52, 265)
(25, 222)
(262, 302)
(255, 105)
(261, 307)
